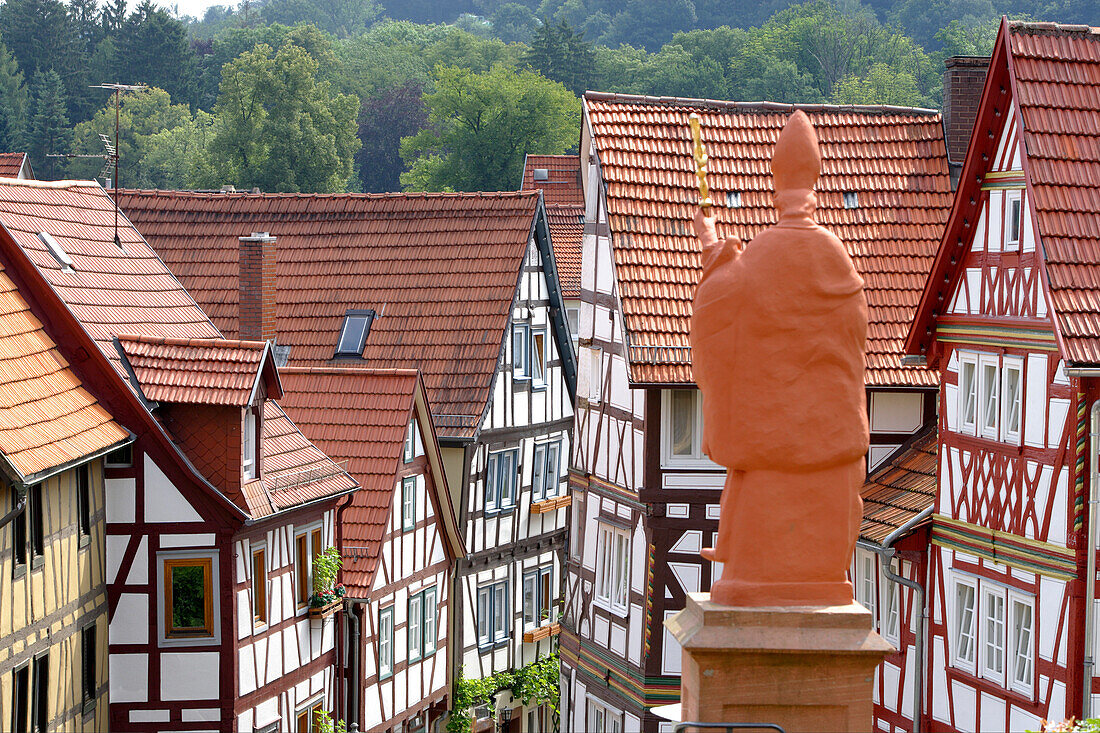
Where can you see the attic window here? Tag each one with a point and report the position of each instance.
(59, 254)
(353, 336)
(541, 174)
(733, 199)
(851, 200)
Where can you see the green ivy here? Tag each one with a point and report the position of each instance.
(538, 682)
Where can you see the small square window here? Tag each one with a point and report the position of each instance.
(188, 597)
(1012, 225)
(851, 200)
(733, 199)
(120, 457)
(353, 335)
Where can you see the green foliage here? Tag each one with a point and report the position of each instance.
(341, 18)
(881, 85)
(481, 125)
(1072, 725)
(14, 103)
(538, 683)
(326, 724)
(49, 130)
(153, 47)
(280, 129)
(561, 54)
(513, 22)
(325, 568)
(384, 119)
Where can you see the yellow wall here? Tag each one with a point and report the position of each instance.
(46, 607)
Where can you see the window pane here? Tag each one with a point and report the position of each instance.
(1021, 635)
(989, 397)
(429, 621)
(519, 351)
(1012, 401)
(492, 482)
(994, 634)
(415, 614)
(88, 660)
(538, 355)
(508, 479)
(553, 461)
(84, 499)
(968, 390)
(188, 583)
(530, 598)
(385, 641)
(40, 715)
(19, 531)
(683, 422)
(259, 587)
(408, 503)
(964, 622)
(1014, 220)
(38, 530)
(546, 595)
(500, 612)
(891, 608)
(351, 339)
(538, 477)
(301, 554)
(484, 608)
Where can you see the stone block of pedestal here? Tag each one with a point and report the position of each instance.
(803, 668)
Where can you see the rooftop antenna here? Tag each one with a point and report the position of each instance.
(110, 154)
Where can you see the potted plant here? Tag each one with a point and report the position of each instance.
(327, 593)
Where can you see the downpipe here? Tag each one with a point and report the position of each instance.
(352, 714)
(1090, 565)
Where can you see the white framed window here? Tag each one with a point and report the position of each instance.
(993, 633)
(416, 628)
(613, 568)
(891, 609)
(492, 613)
(573, 316)
(989, 391)
(249, 440)
(968, 391)
(409, 452)
(595, 374)
(602, 719)
(576, 514)
(1012, 387)
(682, 428)
(501, 476)
(538, 357)
(353, 334)
(545, 474)
(963, 616)
(1021, 614)
(865, 580)
(538, 596)
(408, 503)
(1013, 217)
(520, 367)
(385, 642)
(430, 622)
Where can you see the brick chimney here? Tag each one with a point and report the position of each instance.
(256, 304)
(963, 81)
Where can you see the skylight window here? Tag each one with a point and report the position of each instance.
(733, 199)
(541, 174)
(59, 254)
(851, 200)
(353, 336)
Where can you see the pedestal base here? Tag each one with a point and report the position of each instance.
(803, 668)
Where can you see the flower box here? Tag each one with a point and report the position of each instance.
(553, 504)
(542, 632)
(326, 610)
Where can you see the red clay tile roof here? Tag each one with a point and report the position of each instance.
(562, 186)
(894, 159)
(47, 418)
(899, 490)
(1057, 82)
(564, 200)
(359, 417)
(130, 291)
(200, 371)
(439, 269)
(11, 164)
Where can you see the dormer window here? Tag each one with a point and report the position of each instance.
(851, 200)
(249, 444)
(353, 336)
(733, 199)
(1012, 224)
(56, 251)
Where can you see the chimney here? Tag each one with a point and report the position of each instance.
(963, 81)
(256, 281)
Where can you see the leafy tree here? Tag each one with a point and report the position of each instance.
(561, 54)
(881, 85)
(14, 103)
(481, 125)
(922, 18)
(341, 18)
(280, 129)
(49, 130)
(85, 18)
(152, 47)
(513, 22)
(40, 37)
(113, 16)
(650, 24)
(459, 48)
(960, 39)
(383, 120)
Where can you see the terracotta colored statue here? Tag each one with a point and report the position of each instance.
(777, 338)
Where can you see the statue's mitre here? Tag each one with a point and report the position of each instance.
(796, 162)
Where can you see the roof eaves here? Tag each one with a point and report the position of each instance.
(35, 478)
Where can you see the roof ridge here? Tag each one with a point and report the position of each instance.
(1040, 26)
(359, 371)
(33, 183)
(180, 193)
(197, 342)
(762, 105)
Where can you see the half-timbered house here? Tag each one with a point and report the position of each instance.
(1009, 316)
(645, 497)
(398, 537)
(203, 509)
(462, 287)
(54, 435)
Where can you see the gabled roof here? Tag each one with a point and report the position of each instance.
(564, 199)
(13, 164)
(201, 371)
(110, 291)
(47, 418)
(894, 159)
(359, 417)
(1053, 75)
(899, 490)
(439, 270)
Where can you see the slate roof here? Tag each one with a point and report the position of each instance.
(1057, 81)
(893, 158)
(114, 291)
(47, 417)
(11, 164)
(901, 488)
(440, 270)
(564, 200)
(198, 371)
(359, 416)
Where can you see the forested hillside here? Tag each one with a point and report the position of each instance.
(329, 95)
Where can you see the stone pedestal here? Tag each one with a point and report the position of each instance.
(803, 668)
